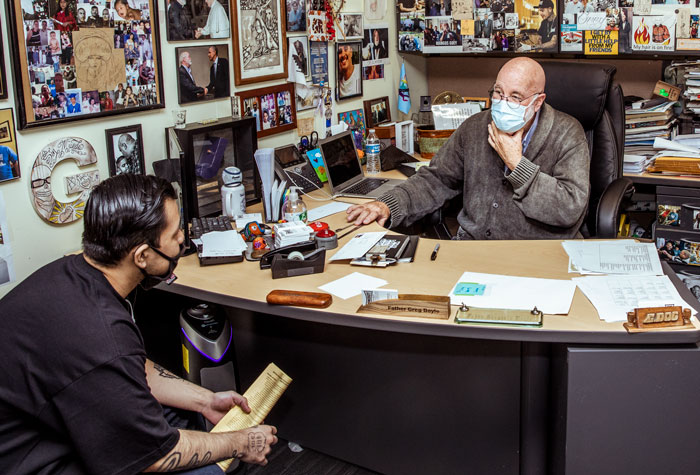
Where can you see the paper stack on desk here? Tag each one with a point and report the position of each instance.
(615, 295)
(613, 257)
(292, 232)
(222, 243)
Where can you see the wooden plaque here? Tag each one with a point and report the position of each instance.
(658, 318)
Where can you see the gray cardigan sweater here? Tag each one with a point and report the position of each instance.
(544, 197)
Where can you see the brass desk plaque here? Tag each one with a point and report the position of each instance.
(411, 305)
(500, 316)
(658, 318)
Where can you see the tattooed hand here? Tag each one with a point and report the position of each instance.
(259, 440)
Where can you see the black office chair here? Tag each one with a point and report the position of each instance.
(587, 92)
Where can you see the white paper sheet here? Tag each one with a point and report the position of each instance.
(614, 257)
(615, 295)
(358, 246)
(352, 285)
(264, 158)
(327, 210)
(222, 243)
(241, 221)
(519, 293)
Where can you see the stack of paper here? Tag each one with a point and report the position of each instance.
(272, 190)
(613, 257)
(676, 157)
(646, 120)
(615, 295)
(222, 243)
(292, 232)
(635, 163)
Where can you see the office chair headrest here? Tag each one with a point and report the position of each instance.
(578, 89)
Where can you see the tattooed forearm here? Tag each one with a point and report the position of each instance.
(164, 373)
(172, 462)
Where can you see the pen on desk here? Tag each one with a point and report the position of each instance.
(352, 230)
(344, 228)
(433, 256)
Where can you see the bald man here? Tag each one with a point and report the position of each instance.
(522, 168)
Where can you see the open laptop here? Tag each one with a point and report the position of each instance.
(345, 176)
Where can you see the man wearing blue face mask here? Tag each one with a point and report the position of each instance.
(522, 167)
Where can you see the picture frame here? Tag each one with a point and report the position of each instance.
(484, 102)
(255, 56)
(350, 26)
(268, 102)
(3, 78)
(9, 155)
(377, 111)
(51, 57)
(354, 118)
(299, 46)
(348, 70)
(181, 22)
(125, 150)
(191, 85)
(295, 15)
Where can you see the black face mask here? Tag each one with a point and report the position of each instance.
(149, 281)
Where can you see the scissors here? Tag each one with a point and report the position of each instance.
(308, 143)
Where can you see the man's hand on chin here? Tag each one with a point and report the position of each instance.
(508, 146)
(368, 212)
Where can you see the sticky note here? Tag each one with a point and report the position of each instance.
(469, 288)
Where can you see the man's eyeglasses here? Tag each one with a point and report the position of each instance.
(513, 101)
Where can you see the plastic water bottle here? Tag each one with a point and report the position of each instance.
(374, 165)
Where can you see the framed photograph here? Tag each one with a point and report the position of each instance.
(354, 118)
(273, 108)
(197, 20)
(109, 59)
(202, 73)
(259, 41)
(350, 26)
(9, 157)
(296, 15)
(125, 150)
(348, 72)
(299, 49)
(3, 79)
(308, 102)
(484, 102)
(377, 111)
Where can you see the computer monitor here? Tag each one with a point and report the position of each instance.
(207, 149)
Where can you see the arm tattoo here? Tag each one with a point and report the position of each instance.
(172, 462)
(164, 373)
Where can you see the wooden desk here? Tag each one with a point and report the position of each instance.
(655, 179)
(411, 395)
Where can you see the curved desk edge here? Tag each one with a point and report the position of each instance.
(427, 328)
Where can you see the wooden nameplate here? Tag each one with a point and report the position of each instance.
(658, 319)
(411, 305)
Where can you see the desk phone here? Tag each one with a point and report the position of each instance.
(289, 164)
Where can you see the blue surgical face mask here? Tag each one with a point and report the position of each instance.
(509, 119)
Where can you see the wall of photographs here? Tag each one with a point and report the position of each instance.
(587, 27)
(116, 138)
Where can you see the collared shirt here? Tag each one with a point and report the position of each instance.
(216, 65)
(189, 71)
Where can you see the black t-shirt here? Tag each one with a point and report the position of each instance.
(548, 29)
(73, 390)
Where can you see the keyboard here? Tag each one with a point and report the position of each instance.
(207, 224)
(365, 186)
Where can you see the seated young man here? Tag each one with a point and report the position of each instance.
(522, 167)
(77, 393)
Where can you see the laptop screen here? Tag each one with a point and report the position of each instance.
(341, 159)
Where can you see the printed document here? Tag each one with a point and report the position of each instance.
(352, 285)
(262, 396)
(515, 293)
(358, 246)
(615, 295)
(614, 257)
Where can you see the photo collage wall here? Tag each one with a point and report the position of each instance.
(87, 57)
(591, 27)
